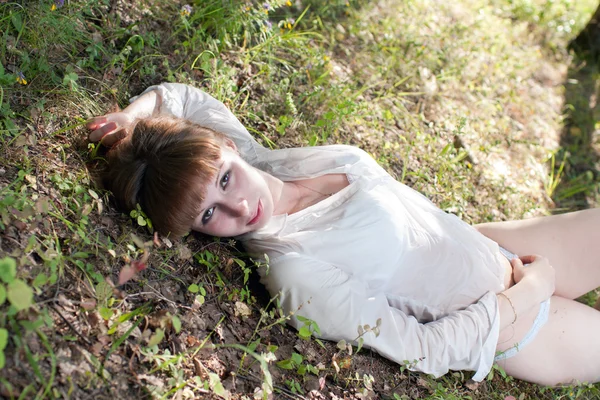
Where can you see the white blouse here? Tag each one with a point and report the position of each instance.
(376, 249)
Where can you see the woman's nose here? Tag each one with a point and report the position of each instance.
(240, 208)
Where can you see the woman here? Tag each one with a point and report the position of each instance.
(348, 245)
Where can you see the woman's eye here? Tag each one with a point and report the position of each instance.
(225, 179)
(207, 215)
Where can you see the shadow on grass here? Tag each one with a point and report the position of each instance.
(578, 188)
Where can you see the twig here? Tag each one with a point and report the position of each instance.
(86, 340)
(159, 296)
(53, 299)
(13, 240)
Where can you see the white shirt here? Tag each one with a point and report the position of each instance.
(377, 249)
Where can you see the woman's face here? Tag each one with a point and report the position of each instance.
(239, 200)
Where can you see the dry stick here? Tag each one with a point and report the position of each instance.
(86, 340)
(159, 296)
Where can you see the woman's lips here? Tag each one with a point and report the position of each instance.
(258, 214)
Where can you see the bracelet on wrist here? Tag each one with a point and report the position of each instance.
(511, 306)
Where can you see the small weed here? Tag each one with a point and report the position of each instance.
(141, 218)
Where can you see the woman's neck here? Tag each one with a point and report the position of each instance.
(291, 197)
(298, 195)
(285, 194)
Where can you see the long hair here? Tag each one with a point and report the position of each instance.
(164, 165)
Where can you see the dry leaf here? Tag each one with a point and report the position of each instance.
(192, 341)
(472, 385)
(336, 366)
(322, 383)
(242, 310)
(130, 271)
(184, 253)
(127, 273)
(88, 304)
(156, 240)
(345, 362)
(97, 349)
(423, 383)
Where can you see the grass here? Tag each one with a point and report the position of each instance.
(476, 104)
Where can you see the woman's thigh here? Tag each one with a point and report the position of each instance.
(570, 241)
(565, 350)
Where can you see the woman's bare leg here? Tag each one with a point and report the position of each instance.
(570, 241)
(565, 350)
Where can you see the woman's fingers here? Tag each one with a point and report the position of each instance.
(96, 122)
(99, 133)
(537, 269)
(110, 128)
(114, 137)
(530, 258)
(517, 266)
(516, 262)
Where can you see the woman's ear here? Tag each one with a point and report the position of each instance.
(231, 145)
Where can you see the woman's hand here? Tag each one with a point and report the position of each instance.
(536, 271)
(110, 128)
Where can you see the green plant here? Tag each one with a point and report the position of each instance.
(141, 218)
(331, 121)
(308, 329)
(18, 293)
(199, 291)
(3, 343)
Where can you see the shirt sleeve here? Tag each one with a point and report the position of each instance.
(339, 304)
(195, 105)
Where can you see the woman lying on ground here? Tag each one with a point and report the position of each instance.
(348, 245)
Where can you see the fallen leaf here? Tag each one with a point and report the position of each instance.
(219, 331)
(167, 242)
(156, 240)
(126, 273)
(105, 340)
(183, 253)
(139, 265)
(130, 271)
(97, 349)
(159, 319)
(336, 366)
(138, 241)
(88, 304)
(422, 382)
(345, 362)
(242, 310)
(153, 380)
(192, 341)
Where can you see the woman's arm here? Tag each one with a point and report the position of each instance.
(195, 105)
(181, 101)
(110, 128)
(340, 303)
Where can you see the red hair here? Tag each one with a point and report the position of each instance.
(164, 165)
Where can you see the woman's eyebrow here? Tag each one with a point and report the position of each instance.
(219, 174)
(216, 182)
